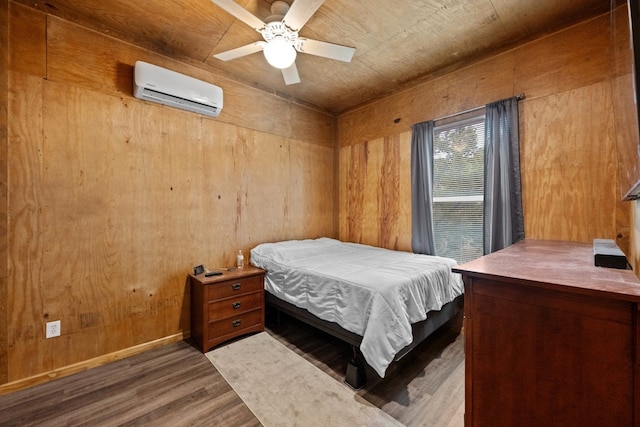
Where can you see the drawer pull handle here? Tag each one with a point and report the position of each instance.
(236, 323)
(235, 286)
(236, 305)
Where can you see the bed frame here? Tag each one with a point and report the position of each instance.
(356, 375)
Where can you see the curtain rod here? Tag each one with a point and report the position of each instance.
(519, 97)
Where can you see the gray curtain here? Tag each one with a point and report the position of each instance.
(503, 217)
(422, 241)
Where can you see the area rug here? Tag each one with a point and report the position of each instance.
(281, 388)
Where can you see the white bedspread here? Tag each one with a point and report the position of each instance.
(376, 293)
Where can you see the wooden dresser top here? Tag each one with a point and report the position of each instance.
(229, 274)
(555, 264)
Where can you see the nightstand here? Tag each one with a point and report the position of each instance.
(226, 306)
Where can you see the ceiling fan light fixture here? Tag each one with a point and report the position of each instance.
(279, 53)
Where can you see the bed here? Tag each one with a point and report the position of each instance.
(383, 302)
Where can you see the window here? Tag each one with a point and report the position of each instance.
(458, 188)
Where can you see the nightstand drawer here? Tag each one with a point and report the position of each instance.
(234, 305)
(234, 287)
(231, 325)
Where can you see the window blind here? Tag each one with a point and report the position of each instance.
(458, 191)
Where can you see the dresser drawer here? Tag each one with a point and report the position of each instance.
(234, 287)
(226, 306)
(231, 325)
(235, 305)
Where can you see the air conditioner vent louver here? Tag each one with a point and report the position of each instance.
(165, 98)
(156, 84)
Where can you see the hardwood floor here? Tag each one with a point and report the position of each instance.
(175, 385)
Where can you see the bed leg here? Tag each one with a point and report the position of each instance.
(273, 315)
(356, 376)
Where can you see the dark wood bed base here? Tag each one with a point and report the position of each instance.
(355, 375)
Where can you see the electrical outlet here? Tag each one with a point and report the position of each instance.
(53, 329)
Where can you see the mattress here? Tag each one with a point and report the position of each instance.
(373, 292)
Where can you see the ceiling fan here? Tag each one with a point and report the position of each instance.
(280, 34)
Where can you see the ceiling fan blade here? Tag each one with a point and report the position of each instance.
(327, 50)
(240, 51)
(240, 13)
(300, 12)
(291, 75)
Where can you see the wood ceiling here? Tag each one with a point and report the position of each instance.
(397, 42)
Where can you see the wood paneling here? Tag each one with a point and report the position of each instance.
(570, 59)
(28, 40)
(311, 126)
(567, 136)
(113, 200)
(375, 186)
(483, 82)
(4, 123)
(569, 165)
(566, 60)
(25, 303)
(95, 64)
(311, 205)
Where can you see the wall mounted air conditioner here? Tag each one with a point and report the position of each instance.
(156, 84)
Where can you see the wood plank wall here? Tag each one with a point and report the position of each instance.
(567, 133)
(113, 200)
(4, 80)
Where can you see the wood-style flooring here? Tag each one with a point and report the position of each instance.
(176, 385)
(424, 388)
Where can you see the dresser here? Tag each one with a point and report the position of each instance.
(550, 339)
(226, 306)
